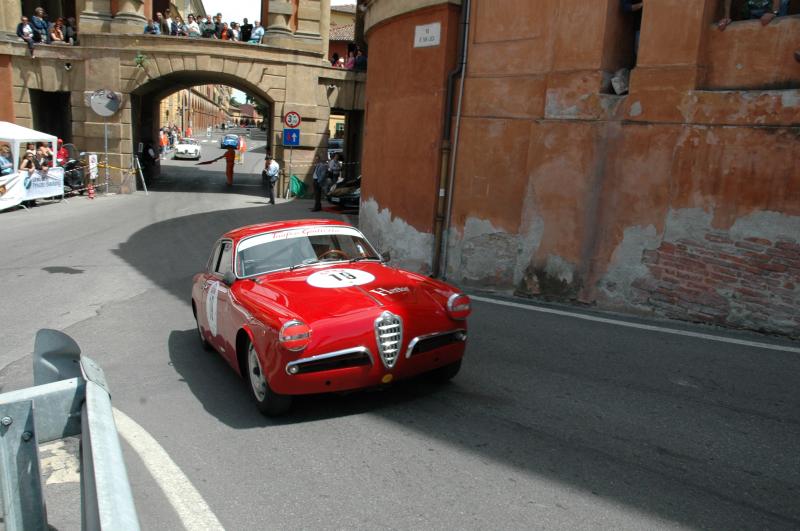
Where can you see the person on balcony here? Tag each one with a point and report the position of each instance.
(166, 22)
(41, 28)
(225, 33)
(57, 32)
(207, 28)
(246, 31)
(71, 31)
(152, 28)
(25, 32)
(258, 32)
(764, 10)
(193, 28)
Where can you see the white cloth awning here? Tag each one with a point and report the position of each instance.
(16, 133)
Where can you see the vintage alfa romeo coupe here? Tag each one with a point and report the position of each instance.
(309, 306)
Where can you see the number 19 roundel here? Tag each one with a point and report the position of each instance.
(340, 278)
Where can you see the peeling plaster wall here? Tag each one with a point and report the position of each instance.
(746, 276)
(680, 199)
(410, 248)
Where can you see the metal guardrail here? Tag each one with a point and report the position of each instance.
(69, 397)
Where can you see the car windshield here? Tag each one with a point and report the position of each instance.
(189, 141)
(299, 247)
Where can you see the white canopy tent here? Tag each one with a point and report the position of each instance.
(15, 136)
(14, 189)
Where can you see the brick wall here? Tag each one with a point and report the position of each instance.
(751, 283)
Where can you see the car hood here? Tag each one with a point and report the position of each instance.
(323, 292)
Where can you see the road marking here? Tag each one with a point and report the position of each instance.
(60, 464)
(651, 328)
(192, 509)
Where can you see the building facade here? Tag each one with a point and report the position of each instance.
(198, 108)
(679, 198)
(287, 71)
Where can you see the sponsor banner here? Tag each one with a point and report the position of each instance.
(50, 184)
(93, 166)
(12, 190)
(297, 233)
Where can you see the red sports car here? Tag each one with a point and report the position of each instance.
(309, 306)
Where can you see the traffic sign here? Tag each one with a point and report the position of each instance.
(291, 137)
(291, 119)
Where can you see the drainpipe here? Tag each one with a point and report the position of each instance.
(449, 151)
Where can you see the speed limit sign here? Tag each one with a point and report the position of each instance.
(291, 119)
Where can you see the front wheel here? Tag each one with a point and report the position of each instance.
(268, 402)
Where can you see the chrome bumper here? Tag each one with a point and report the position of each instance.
(351, 357)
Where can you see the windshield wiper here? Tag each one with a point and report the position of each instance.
(359, 258)
(306, 262)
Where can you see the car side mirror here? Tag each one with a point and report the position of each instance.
(386, 256)
(229, 278)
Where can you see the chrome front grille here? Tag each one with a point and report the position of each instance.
(389, 337)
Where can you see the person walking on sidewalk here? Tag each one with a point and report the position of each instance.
(270, 173)
(320, 174)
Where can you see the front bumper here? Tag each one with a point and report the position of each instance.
(360, 367)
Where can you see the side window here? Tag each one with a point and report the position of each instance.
(213, 259)
(224, 263)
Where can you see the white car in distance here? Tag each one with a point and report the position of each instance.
(187, 148)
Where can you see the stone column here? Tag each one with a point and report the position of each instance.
(325, 26)
(670, 54)
(95, 17)
(129, 18)
(264, 13)
(10, 13)
(278, 19)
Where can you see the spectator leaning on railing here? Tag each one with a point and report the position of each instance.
(41, 28)
(207, 28)
(57, 32)
(258, 32)
(765, 10)
(152, 28)
(193, 28)
(245, 31)
(71, 31)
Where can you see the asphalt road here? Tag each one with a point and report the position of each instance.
(555, 422)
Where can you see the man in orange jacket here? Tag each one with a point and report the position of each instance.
(230, 158)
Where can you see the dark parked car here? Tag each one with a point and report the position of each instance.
(346, 193)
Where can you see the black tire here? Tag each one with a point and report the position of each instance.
(267, 401)
(206, 345)
(447, 373)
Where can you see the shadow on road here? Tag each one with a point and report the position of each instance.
(186, 176)
(225, 396)
(686, 431)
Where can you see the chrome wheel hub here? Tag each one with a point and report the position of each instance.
(257, 380)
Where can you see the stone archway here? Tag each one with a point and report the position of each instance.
(145, 100)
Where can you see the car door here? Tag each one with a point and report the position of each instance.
(206, 311)
(215, 295)
(224, 316)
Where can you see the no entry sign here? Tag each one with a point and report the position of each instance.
(291, 119)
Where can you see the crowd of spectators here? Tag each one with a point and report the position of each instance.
(205, 27)
(39, 30)
(356, 59)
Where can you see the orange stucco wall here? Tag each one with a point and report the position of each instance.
(681, 198)
(404, 114)
(6, 90)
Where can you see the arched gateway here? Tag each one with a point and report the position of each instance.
(289, 71)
